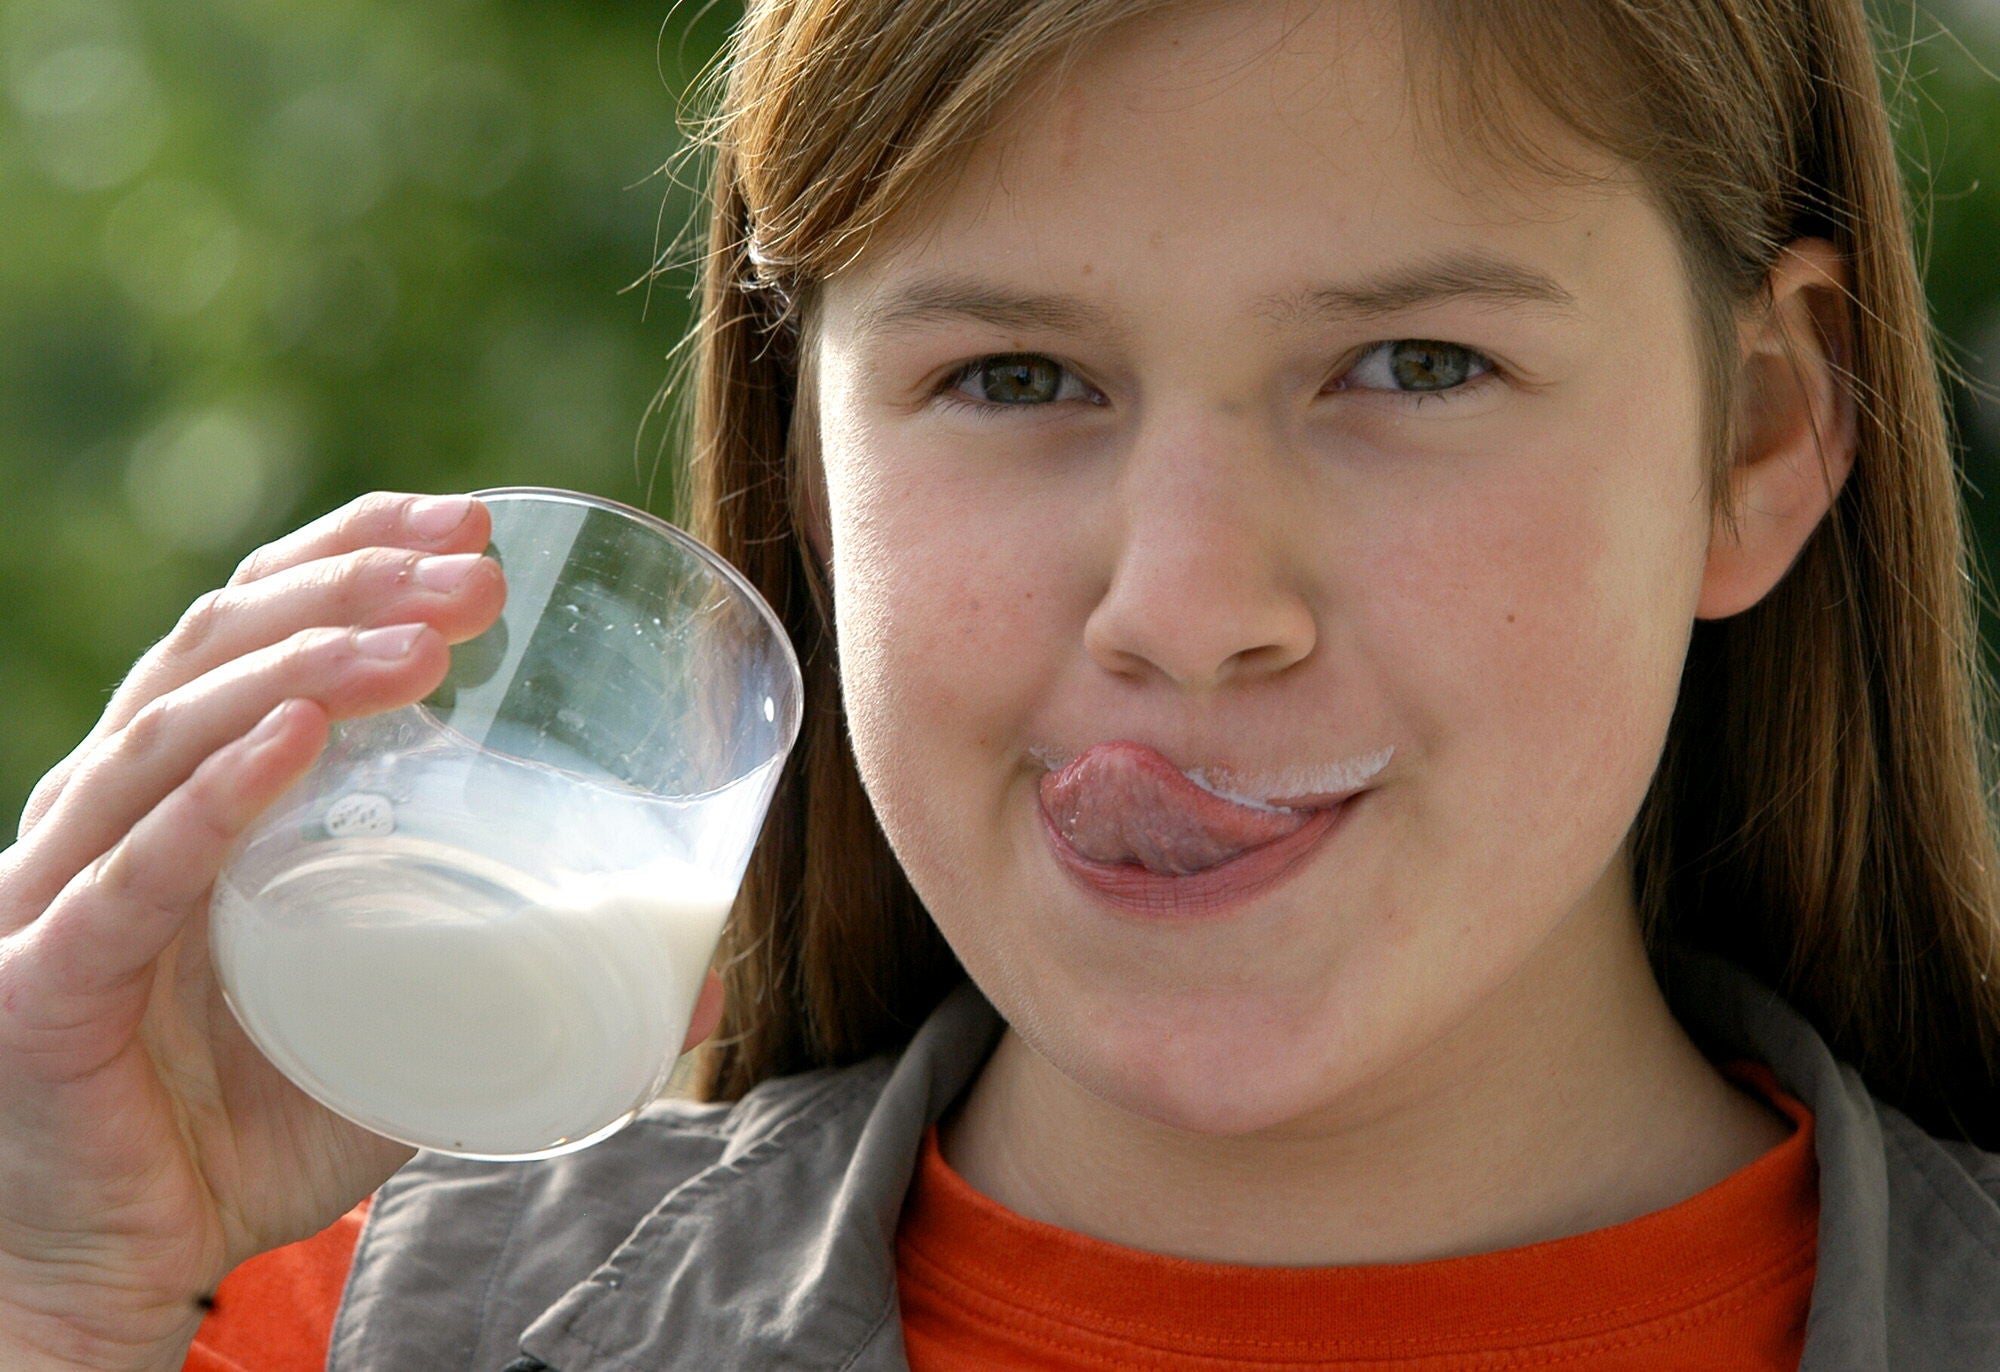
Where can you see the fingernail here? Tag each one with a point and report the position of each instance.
(387, 644)
(435, 516)
(446, 573)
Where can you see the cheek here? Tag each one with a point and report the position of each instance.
(1535, 627)
(941, 649)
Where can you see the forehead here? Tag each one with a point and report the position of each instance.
(1251, 146)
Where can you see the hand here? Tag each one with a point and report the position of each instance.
(145, 1146)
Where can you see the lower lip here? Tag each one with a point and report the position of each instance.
(1212, 891)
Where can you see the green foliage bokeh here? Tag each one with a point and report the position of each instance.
(258, 256)
(263, 255)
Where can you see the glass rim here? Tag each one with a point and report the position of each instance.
(687, 542)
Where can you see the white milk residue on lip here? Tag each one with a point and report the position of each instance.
(1256, 790)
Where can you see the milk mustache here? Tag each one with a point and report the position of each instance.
(511, 979)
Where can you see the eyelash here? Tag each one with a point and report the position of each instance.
(1415, 399)
(949, 394)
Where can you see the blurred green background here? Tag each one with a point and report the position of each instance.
(257, 256)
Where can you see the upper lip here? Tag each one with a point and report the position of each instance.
(1302, 786)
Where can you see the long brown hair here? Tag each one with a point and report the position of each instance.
(1819, 815)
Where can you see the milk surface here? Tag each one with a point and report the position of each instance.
(487, 983)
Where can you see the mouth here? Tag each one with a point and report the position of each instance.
(1147, 835)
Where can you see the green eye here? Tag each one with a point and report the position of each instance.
(1018, 379)
(1415, 367)
(1421, 365)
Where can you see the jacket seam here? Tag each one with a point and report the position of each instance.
(889, 1308)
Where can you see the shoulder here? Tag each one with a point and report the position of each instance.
(481, 1248)
(1909, 1225)
(1942, 1246)
(709, 1225)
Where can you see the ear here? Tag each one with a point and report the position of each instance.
(1794, 427)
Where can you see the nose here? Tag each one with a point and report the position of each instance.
(1206, 585)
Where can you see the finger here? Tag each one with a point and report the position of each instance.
(458, 594)
(79, 982)
(49, 787)
(420, 523)
(344, 673)
(382, 519)
(707, 1013)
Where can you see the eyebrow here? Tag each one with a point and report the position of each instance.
(949, 298)
(1474, 276)
(1478, 277)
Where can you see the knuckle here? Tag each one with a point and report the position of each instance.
(148, 729)
(384, 569)
(197, 625)
(110, 874)
(43, 798)
(206, 816)
(197, 825)
(120, 879)
(401, 570)
(314, 648)
(252, 568)
(377, 509)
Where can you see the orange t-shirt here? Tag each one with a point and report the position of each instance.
(1723, 1279)
(275, 1312)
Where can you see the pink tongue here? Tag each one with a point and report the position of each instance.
(1123, 802)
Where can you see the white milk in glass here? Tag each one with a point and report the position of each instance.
(466, 952)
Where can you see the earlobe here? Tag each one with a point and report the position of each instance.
(1794, 425)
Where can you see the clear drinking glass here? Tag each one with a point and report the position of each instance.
(479, 924)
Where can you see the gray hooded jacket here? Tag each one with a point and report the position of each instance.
(761, 1235)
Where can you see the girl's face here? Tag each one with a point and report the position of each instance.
(1212, 411)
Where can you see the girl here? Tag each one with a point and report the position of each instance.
(1373, 573)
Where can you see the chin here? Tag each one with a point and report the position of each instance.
(1231, 1101)
(1226, 1073)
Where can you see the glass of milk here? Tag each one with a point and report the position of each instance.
(480, 923)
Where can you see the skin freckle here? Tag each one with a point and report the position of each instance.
(1264, 592)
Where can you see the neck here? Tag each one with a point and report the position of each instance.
(1525, 1123)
